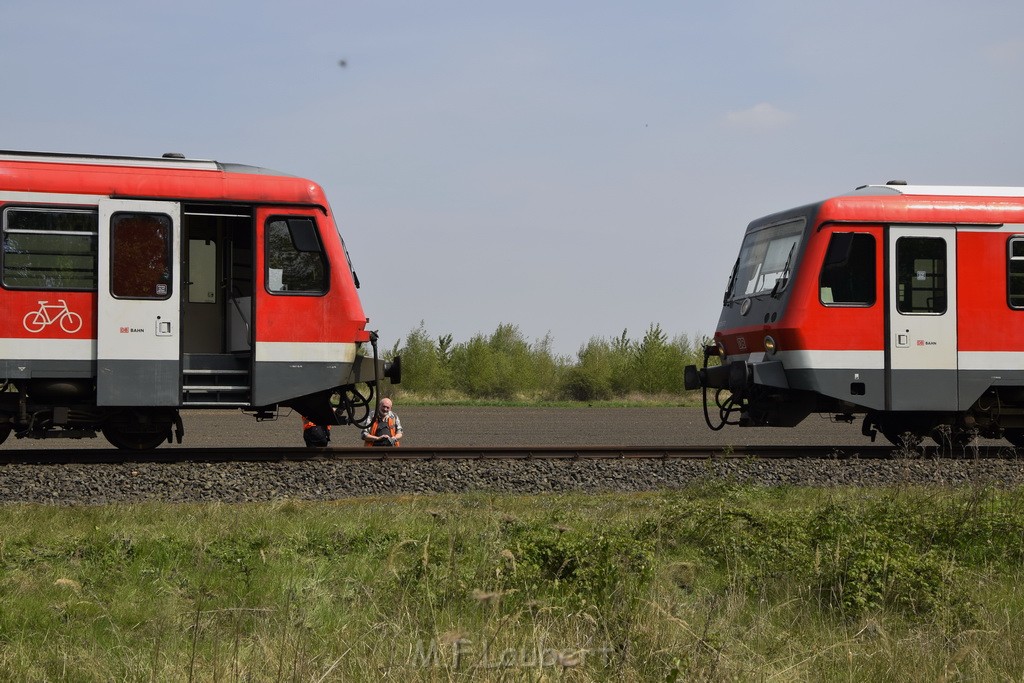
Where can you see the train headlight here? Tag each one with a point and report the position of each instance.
(721, 349)
(769, 345)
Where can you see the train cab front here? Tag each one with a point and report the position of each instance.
(748, 389)
(353, 401)
(742, 370)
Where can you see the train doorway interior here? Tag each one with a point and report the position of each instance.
(217, 305)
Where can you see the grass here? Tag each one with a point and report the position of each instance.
(714, 582)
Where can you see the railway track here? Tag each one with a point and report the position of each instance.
(282, 454)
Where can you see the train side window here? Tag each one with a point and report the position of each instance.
(1015, 272)
(921, 275)
(848, 274)
(296, 263)
(140, 255)
(45, 248)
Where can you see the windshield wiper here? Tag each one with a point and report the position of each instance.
(783, 280)
(726, 301)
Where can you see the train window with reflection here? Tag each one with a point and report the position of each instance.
(1015, 272)
(46, 248)
(295, 257)
(767, 258)
(140, 255)
(848, 273)
(921, 275)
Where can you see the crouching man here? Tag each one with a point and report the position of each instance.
(386, 428)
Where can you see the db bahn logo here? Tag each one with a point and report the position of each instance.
(47, 314)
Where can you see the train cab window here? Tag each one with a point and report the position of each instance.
(296, 263)
(47, 248)
(766, 260)
(1015, 272)
(848, 273)
(921, 275)
(140, 255)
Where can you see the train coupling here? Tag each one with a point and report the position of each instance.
(736, 376)
(393, 370)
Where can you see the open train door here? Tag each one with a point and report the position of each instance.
(138, 348)
(921, 353)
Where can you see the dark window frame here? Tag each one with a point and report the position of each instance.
(871, 278)
(324, 276)
(117, 276)
(1010, 260)
(92, 254)
(900, 301)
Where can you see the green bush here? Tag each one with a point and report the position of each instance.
(601, 371)
(581, 566)
(506, 366)
(426, 365)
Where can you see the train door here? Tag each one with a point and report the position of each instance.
(217, 298)
(138, 354)
(921, 353)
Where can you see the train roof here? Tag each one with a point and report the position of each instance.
(168, 160)
(902, 188)
(169, 176)
(897, 201)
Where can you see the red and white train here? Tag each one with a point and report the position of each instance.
(901, 303)
(133, 287)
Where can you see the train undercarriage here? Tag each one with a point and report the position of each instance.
(66, 408)
(997, 414)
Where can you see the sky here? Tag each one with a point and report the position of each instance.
(573, 168)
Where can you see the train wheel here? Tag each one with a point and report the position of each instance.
(136, 437)
(1015, 436)
(4, 433)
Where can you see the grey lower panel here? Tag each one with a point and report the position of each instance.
(860, 387)
(943, 390)
(26, 369)
(138, 382)
(276, 382)
(924, 390)
(974, 383)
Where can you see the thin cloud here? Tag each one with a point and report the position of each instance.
(763, 116)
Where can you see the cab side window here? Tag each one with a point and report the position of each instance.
(296, 263)
(1015, 272)
(848, 273)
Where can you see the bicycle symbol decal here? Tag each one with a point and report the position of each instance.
(48, 314)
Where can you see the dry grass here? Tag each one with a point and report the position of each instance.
(714, 583)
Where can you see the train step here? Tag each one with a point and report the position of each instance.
(216, 387)
(199, 371)
(216, 379)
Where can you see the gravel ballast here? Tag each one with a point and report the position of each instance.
(98, 484)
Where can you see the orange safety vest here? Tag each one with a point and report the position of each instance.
(373, 430)
(306, 424)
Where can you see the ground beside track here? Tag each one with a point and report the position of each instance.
(442, 427)
(98, 484)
